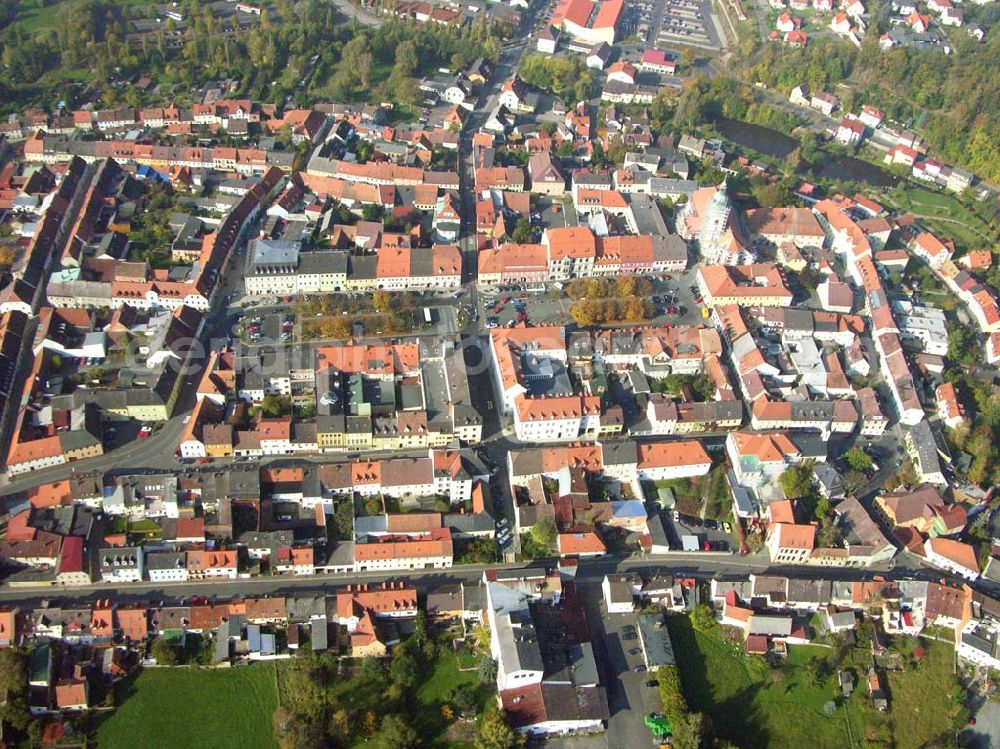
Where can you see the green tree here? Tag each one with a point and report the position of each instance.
(858, 459)
(164, 653)
(691, 730)
(404, 669)
(495, 732)
(372, 212)
(853, 481)
(275, 406)
(481, 637)
(771, 194)
(671, 695)
(487, 670)
(464, 696)
(13, 672)
(421, 635)
(397, 733)
(544, 532)
(373, 671)
(523, 233)
(407, 58)
(796, 482)
(306, 684)
(702, 618)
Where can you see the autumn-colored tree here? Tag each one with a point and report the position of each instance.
(382, 301)
(625, 286)
(369, 723)
(495, 732)
(340, 724)
(633, 310)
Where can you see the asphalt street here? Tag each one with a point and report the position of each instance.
(686, 564)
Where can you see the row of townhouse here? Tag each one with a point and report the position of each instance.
(362, 610)
(49, 149)
(279, 267)
(53, 428)
(528, 369)
(71, 287)
(305, 124)
(444, 472)
(354, 388)
(654, 351)
(902, 606)
(928, 169)
(800, 383)
(380, 173)
(575, 252)
(538, 702)
(850, 241)
(977, 296)
(625, 462)
(758, 285)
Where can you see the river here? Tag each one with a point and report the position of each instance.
(778, 145)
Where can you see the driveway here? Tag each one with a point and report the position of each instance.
(629, 699)
(986, 732)
(355, 13)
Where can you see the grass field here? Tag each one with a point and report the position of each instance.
(436, 689)
(948, 217)
(191, 708)
(921, 709)
(34, 16)
(752, 705)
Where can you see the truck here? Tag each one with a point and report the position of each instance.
(428, 317)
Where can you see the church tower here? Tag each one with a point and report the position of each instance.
(715, 222)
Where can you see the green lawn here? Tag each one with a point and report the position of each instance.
(921, 709)
(439, 685)
(191, 708)
(34, 16)
(755, 706)
(923, 201)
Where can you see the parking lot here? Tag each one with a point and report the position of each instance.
(666, 22)
(693, 534)
(270, 328)
(672, 298)
(632, 693)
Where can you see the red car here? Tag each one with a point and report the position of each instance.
(505, 300)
